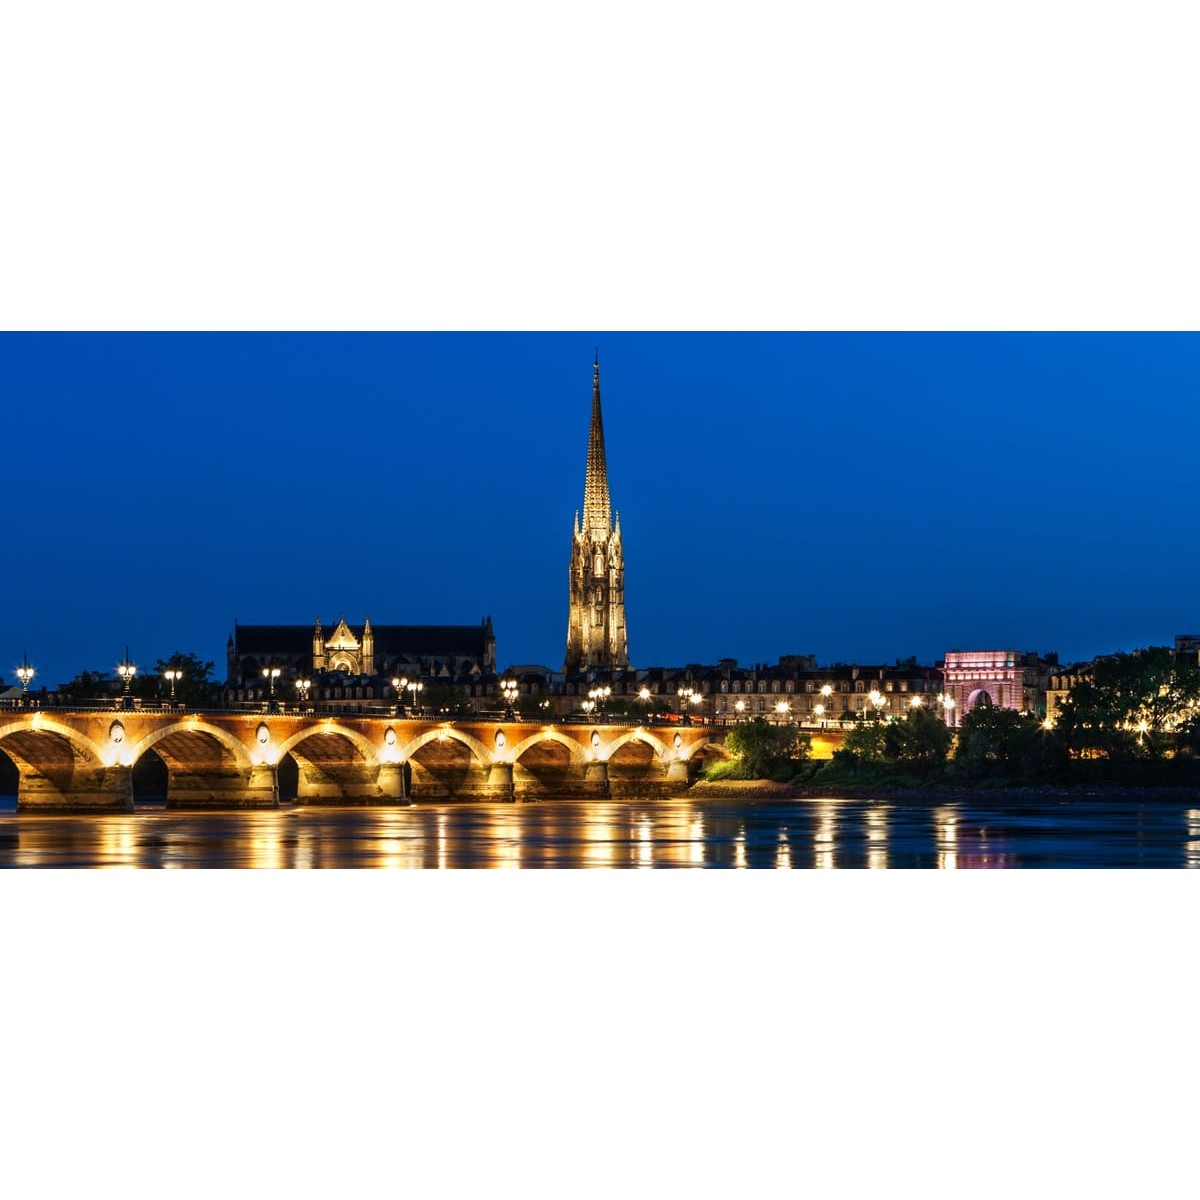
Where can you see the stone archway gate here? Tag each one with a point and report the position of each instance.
(82, 760)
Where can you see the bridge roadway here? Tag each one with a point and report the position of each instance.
(72, 760)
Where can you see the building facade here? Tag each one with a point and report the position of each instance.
(1003, 678)
(596, 633)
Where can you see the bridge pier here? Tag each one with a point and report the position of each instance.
(500, 782)
(101, 789)
(391, 783)
(595, 777)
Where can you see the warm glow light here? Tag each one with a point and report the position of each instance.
(915, 702)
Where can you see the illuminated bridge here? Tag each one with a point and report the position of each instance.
(85, 759)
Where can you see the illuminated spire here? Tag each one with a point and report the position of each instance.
(597, 509)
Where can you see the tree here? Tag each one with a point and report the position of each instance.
(998, 741)
(921, 738)
(764, 751)
(867, 740)
(89, 685)
(196, 687)
(1135, 705)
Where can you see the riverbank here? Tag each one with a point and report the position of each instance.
(764, 789)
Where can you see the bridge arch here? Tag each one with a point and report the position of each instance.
(239, 753)
(573, 748)
(480, 753)
(360, 742)
(658, 746)
(20, 736)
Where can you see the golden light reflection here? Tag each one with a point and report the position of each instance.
(945, 826)
(877, 838)
(1191, 849)
(739, 847)
(441, 840)
(824, 835)
(506, 837)
(598, 847)
(266, 851)
(645, 847)
(783, 852)
(696, 841)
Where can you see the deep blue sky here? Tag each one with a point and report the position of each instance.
(861, 497)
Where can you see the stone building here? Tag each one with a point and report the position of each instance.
(359, 664)
(596, 634)
(1004, 678)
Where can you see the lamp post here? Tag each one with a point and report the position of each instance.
(686, 697)
(398, 686)
(271, 674)
(823, 707)
(172, 677)
(600, 695)
(644, 697)
(415, 686)
(740, 708)
(126, 671)
(783, 712)
(25, 673)
(877, 702)
(302, 689)
(947, 703)
(509, 689)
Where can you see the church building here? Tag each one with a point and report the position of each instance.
(419, 651)
(596, 636)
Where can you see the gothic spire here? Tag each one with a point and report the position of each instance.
(597, 509)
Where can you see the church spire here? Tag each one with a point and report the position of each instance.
(597, 509)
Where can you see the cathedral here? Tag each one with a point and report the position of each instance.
(596, 636)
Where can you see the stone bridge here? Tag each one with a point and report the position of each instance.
(73, 760)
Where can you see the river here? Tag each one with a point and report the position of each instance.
(1133, 830)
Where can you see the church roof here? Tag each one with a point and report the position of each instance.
(389, 639)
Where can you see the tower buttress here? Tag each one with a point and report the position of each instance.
(318, 646)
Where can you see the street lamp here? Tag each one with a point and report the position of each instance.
(25, 673)
(398, 686)
(600, 696)
(740, 709)
(509, 689)
(686, 696)
(415, 686)
(172, 677)
(877, 701)
(271, 674)
(302, 689)
(947, 703)
(126, 671)
(783, 710)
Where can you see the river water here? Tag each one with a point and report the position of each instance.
(1131, 831)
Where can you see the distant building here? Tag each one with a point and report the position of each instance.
(352, 665)
(1003, 678)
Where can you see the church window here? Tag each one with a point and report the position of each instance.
(599, 596)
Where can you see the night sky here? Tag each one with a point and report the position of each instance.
(860, 497)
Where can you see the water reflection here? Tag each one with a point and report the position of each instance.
(1191, 848)
(1152, 831)
(945, 825)
(824, 835)
(739, 847)
(877, 835)
(783, 852)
